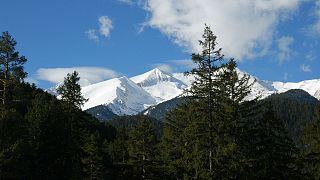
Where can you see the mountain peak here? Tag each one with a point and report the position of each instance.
(151, 77)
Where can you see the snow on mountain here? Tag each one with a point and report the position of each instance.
(121, 95)
(311, 86)
(161, 85)
(187, 80)
(124, 96)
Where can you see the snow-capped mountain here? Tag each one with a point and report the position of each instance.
(161, 85)
(121, 95)
(128, 96)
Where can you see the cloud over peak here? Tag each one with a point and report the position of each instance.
(88, 75)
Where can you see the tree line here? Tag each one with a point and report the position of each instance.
(216, 134)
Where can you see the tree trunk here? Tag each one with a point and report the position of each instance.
(5, 82)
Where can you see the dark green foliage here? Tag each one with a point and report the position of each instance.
(70, 91)
(178, 142)
(134, 150)
(296, 108)
(205, 88)
(93, 158)
(128, 122)
(271, 152)
(311, 140)
(141, 148)
(11, 69)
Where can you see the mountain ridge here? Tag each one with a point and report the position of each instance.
(130, 96)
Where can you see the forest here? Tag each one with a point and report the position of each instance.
(216, 133)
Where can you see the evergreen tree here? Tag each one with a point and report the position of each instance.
(181, 149)
(49, 138)
(272, 153)
(13, 145)
(204, 88)
(219, 91)
(93, 159)
(11, 67)
(70, 91)
(311, 140)
(141, 148)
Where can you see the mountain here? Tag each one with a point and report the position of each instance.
(121, 95)
(161, 85)
(129, 96)
(101, 112)
(296, 108)
(310, 86)
(159, 111)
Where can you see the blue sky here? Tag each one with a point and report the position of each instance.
(275, 40)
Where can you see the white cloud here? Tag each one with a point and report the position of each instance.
(88, 75)
(244, 28)
(285, 52)
(305, 68)
(91, 33)
(164, 67)
(105, 26)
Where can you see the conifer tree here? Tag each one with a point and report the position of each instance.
(181, 148)
(233, 87)
(204, 88)
(272, 152)
(311, 140)
(219, 90)
(70, 91)
(142, 140)
(11, 67)
(93, 159)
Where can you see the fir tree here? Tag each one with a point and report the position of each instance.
(219, 91)
(141, 148)
(204, 88)
(70, 91)
(271, 150)
(11, 67)
(180, 143)
(311, 140)
(93, 159)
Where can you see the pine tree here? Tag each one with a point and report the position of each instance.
(219, 91)
(181, 149)
(93, 159)
(70, 91)
(48, 137)
(204, 88)
(311, 140)
(72, 99)
(271, 150)
(142, 140)
(11, 67)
